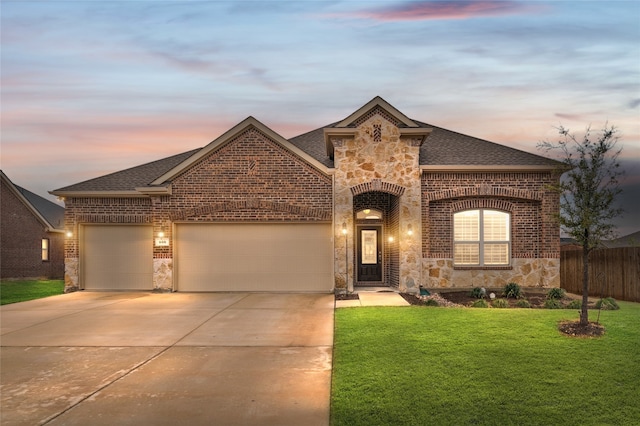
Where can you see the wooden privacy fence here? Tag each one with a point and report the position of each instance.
(613, 272)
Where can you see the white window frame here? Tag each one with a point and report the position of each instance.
(481, 242)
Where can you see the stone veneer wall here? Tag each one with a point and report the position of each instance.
(535, 245)
(378, 159)
(251, 178)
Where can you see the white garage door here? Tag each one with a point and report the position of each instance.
(117, 257)
(254, 257)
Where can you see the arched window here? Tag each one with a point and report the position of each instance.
(481, 238)
(369, 214)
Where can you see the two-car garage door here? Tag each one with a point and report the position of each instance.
(253, 257)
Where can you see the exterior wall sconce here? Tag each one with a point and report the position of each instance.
(68, 234)
(409, 230)
(344, 228)
(161, 234)
(390, 238)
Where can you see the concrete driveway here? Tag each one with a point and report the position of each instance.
(163, 359)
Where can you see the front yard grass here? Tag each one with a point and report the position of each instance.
(452, 366)
(12, 291)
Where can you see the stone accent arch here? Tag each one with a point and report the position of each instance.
(254, 204)
(377, 185)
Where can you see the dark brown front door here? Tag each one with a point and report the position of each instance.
(370, 254)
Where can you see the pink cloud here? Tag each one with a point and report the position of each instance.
(436, 10)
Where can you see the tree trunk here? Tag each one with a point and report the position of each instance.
(584, 312)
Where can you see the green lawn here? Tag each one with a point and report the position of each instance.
(21, 290)
(438, 366)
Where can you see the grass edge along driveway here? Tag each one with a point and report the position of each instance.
(452, 366)
(13, 291)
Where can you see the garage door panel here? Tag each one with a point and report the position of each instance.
(254, 257)
(117, 257)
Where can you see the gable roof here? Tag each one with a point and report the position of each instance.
(236, 130)
(48, 213)
(373, 103)
(441, 149)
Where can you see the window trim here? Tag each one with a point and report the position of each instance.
(481, 242)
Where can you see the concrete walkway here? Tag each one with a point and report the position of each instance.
(374, 298)
(141, 358)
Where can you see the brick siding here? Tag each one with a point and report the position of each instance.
(534, 232)
(21, 237)
(251, 178)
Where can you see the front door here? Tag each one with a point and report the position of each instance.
(370, 254)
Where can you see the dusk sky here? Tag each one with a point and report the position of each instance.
(93, 87)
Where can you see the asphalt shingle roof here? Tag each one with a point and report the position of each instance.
(447, 148)
(129, 179)
(53, 213)
(441, 148)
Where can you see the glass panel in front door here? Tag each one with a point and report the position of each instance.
(369, 247)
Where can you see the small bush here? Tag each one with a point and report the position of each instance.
(575, 304)
(478, 293)
(552, 304)
(555, 294)
(607, 304)
(523, 303)
(500, 303)
(480, 303)
(431, 302)
(513, 291)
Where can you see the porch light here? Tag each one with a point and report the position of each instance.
(344, 228)
(390, 238)
(161, 234)
(366, 211)
(409, 230)
(69, 234)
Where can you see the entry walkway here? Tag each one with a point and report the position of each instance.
(374, 297)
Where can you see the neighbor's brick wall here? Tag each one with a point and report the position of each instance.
(21, 235)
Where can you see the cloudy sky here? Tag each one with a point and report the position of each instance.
(92, 87)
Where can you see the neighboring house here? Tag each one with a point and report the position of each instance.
(631, 240)
(376, 199)
(31, 234)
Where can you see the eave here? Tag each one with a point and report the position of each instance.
(487, 168)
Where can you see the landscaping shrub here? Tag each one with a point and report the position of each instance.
(431, 302)
(500, 303)
(480, 303)
(607, 304)
(574, 304)
(555, 293)
(478, 293)
(552, 304)
(523, 303)
(513, 291)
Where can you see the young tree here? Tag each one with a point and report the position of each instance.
(588, 191)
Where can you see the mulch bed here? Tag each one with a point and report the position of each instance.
(463, 299)
(573, 328)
